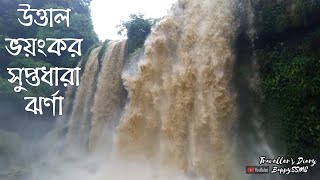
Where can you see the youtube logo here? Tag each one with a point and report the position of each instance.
(250, 170)
(257, 169)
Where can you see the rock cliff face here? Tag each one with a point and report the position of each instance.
(288, 60)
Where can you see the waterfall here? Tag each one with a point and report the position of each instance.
(79, 124)
(181, 106)
(61, 125)
(182, 115)
(106, 108)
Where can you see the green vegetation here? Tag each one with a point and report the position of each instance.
(289, 54)
(137, 29)
(80, 27)
(103, 49)
(276, 19)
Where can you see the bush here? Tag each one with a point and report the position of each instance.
(291, 82)
(137, 29)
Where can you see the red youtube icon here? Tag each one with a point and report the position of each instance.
(250, 170)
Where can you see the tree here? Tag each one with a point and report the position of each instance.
(81, 27)
(137, 29)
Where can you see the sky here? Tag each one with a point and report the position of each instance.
(107, 14)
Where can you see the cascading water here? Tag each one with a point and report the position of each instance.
(79, 124)
(250, 142)
(106, 108)
(181, 107)
(180, 118)
(61, 124)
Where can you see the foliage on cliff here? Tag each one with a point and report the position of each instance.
(80, 27)
(137, 29)
(289, 61)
